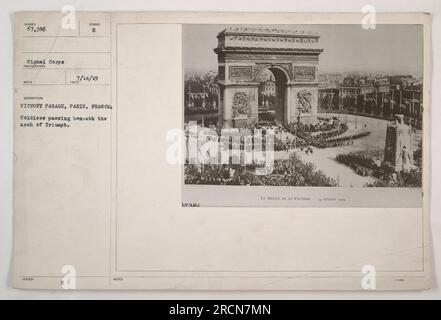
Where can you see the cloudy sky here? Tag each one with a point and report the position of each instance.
(395, 49)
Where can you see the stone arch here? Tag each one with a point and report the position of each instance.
(281, 80)
(269, 66)
(244, 52)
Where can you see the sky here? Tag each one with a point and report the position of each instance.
(392, 49)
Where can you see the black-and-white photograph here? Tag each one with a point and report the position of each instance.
(310, 105)
(282, 151)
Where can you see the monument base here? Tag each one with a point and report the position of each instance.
(240, 122)
(308, 119)
(227, 124)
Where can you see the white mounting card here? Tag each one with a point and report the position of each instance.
(221, 151)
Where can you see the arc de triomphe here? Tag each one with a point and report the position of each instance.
(292, 56)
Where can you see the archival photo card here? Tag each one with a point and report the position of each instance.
(306, 139)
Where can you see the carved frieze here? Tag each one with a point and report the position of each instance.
(266, 56)
(304, 73)
(272, 39)
(240, 72)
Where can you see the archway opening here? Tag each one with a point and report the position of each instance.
(272, 95)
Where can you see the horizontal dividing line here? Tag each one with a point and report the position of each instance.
(61, 276)
(43, 36)
(211, 276)
(65, 84)
(273, 276)
(77, 68)
(263, 271)
(60, 52)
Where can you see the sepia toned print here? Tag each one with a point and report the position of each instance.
(290, 132)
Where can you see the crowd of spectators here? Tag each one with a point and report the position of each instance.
(290, 172)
